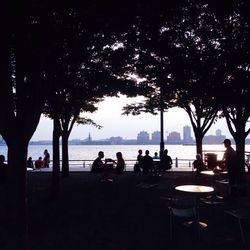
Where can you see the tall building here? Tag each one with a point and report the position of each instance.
(218, 132)
(89, 138)
(218, 138)
(156, 137)
(143, 137)
(187, 138)
(174, 138)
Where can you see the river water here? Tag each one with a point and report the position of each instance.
(87, 153)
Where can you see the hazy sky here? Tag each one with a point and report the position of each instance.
(114, 124)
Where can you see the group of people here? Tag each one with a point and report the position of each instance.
(155, 164)
(40, 162)
(107, 167)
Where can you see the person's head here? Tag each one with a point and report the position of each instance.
(165, 152)
(45, 151)
(147, 152)
(2, 158)
(198, 157)
(119, 155)
(30, 158)
(101, 154)
(156, 154)
(140, 151)
(40, 158)
(227, 143)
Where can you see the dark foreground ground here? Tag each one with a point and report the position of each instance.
(127, 214)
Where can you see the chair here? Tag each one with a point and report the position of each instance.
(240, 214)
(184, 210)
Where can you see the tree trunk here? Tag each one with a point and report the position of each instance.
(65, 155)
(55, 189)
(240, 149)
(17, 237)
(198, 138)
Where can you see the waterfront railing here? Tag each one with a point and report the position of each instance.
(85, 165)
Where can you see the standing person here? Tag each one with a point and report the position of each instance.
(166, 161)
(120, 163)
(138, 164)
(46, 158)
(147, 163)
(3, 169)
(230, 161)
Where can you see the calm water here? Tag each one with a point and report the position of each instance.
(89, 152)
(185, 154)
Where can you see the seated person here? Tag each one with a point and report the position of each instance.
(198, 164)
(98, 164)
(166, 161)
(3, 169)
(156, 160)
(147, 163)
(39, 163)
(138, 164)
(29, 163)
(120, 163)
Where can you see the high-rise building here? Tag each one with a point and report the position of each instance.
(156, 137)
(174, 137)
(218, 138)
(143, 137)
(218, 132)
(89, 138)
(187, 138)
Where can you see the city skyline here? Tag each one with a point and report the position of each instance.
(143, 137)
(115, 124)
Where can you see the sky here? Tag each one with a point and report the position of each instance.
(114, 124)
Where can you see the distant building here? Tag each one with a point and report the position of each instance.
(187, 138)
(143, 137)
(218, 132)
(218, 138)
(174, 138)
(116, 140)
(89, 138)
(156, 137)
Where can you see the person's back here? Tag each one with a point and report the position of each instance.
(3, 169)
(156, 157)
(29, 163)
(98, 163)
(120, 165)
(46, 159)
(166, 161)
(230, 160)
(198, 164)
(39, 163)
(147, 162)
(138, 164)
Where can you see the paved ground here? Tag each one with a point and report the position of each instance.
(127, 214)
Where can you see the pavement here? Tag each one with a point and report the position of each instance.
(129, 213)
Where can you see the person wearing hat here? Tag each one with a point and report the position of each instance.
(230, 161)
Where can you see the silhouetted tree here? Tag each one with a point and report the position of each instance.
(23, 52)
(232, 85)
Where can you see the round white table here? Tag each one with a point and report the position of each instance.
(197, 190)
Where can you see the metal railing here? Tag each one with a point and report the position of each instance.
(85, 165)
